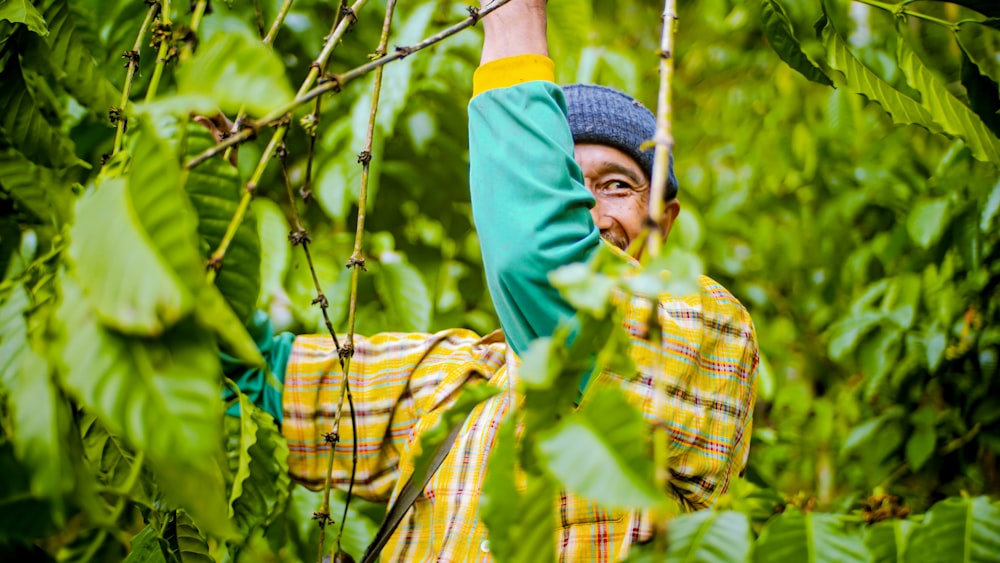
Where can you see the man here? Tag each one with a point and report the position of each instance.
(547, 186)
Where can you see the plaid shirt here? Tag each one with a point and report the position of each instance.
(698, 383)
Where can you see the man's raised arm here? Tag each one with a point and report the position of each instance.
(531, 208)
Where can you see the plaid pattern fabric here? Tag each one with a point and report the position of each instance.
(698, 383)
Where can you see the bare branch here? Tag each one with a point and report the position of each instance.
(664, 138)
(133, 66)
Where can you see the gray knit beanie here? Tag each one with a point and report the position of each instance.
(605, 116)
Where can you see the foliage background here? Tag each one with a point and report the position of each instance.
(866, 252)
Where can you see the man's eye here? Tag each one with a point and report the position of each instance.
(616, 186)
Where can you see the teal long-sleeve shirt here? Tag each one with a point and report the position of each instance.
(531, 211)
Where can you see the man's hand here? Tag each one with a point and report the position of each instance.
(518, 28)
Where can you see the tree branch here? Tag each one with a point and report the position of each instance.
(133, 66)
(664, 138)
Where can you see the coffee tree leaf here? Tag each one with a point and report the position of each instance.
(954, 117)
(148, 284)
(146, 547)
(23, 125)
(536, 532)
(808, 537)
(45, 192)
(856, 77)
(66, 52)
(215, 189)
(499, 502)
(957, 530)
(781, 36)
(238, 73)
(606, 436)
(709, 536)
(159, 395)
(927, 220)
(403, 293)
(887, 540)
(22, 11)
(258, 459)
(983, 92)
(185, 543)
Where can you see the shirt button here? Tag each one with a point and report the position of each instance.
(485, 546)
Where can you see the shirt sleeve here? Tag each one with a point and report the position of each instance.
(395, 379)
(709, 362)
(529, 203)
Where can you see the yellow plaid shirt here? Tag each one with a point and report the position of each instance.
(698, 383)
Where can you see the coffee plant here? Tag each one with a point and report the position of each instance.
(168, 168)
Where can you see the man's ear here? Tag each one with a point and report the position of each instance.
(670, 211)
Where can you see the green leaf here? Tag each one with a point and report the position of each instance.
(13, 334)
(403, 293)
(920, 446)
(184, 541)
(44, 192)
(73, 64)
(272, 229)
(148, 284)
(887, 540)
(22, 516)
(146, 547)
(41, 419)
(844, 334)
(215, 314)
(215, 190)
(808, 537)
(537, 522)
(781, 36)
(109, 458)
(936, 341)
(857, 78)
(927, 220)
(709, 536)
(606, 436)
(160, 395)
(258, 458)
(954, 117)
(991, 208)
(584, 289)
(499, 502)
(983, 92)
(957, 530)
(540, 366)
(21, 11)
(470, 396)
(24, 126)
(236, 72)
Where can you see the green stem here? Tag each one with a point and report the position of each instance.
(162, 53)
(199, 12)
(279, 19)
(663, 138)
(133, 65)
(901, 10)
(259, 16)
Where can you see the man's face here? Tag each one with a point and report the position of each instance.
(621, 189)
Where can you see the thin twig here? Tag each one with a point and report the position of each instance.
(215, 261)
(133, 65)
(336, 82)
(199, 12)
(163, 53)
(357, 260)
(259, 15)
(664, 137)
(279, 19)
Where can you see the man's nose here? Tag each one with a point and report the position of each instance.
(601, 219)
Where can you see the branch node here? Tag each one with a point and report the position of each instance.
(346, 351)
(131, 58)
(347, 12)
(331, 78)
(305, 194)
(331, 437)
(214, 263)
(251, 187)
(357, 262)
(403, 51)
(310, 124)
(364, 157)
(665, 55)
(281, 152)
(299, 236)
(321, 301)
(321, 518)
(115, 115)
(473, 13)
